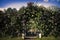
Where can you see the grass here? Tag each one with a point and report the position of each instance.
(19, 38)
(48, 38)
(9, 38)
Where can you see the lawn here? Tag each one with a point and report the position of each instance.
(48, 38)
(19, 38)
(9, 38)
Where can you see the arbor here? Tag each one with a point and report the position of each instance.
(2, 25)
(13, 22)
(56, 24)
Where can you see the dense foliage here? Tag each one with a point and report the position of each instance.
(13, 22)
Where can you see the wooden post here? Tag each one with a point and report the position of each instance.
(39, 35)
(23, 35)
